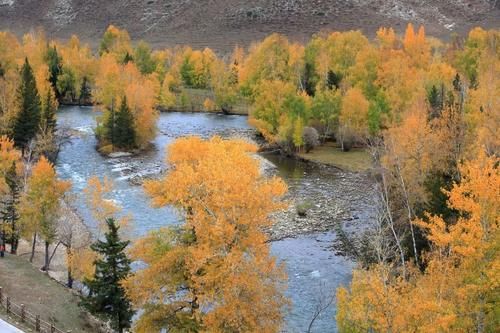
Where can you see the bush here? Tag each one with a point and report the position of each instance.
(311, 138)
(303, 207)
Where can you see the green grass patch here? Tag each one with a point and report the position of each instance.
(357, 159)
(192, 100)
(41, 295)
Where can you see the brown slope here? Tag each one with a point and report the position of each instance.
(221, 24)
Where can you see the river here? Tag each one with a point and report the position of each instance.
(314, 270)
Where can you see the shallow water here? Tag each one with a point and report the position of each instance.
(313, 268)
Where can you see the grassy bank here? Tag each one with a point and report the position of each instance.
(41, 295)
(357, 159)
(193, 100)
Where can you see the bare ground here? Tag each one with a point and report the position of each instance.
(222, 24)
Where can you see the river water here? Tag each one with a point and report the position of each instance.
(314, 270)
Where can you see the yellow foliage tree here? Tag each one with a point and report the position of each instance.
(458, 291)
(215, 272)
(353, 119)
(39, 205)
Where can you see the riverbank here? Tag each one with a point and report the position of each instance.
(355, 160)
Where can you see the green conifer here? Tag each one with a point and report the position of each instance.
(85, 92)
(124, 127)
(27, 121)
(54, 61)
(107, 298)
(48, 114)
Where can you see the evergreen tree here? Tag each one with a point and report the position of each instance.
(333, 80)
(9, 213)
(109, 124)
(54, 61)
(48, 114)
(107, 298)
(85, 92)
(435, 102)
(28, 118)
(124, 126)
(309, 79)
(127, 58)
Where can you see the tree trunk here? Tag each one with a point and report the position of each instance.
(46, 264)
(33, 247)
(70, 278)
(14, 240)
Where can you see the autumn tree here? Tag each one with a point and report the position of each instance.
(39, 205)
(215, 272)
(116, 42)
(268, 60)
(143, 58)
(102, 207)
(325, 109)
(76, 238)
(458, 289)
(9, 211)
(353, 118)
(10, 187)
(270, 107)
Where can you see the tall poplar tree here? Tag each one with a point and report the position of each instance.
(107, 297)
(27, 120)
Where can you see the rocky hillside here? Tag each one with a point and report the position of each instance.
(221, 24)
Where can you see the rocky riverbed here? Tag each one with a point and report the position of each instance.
(325, 195)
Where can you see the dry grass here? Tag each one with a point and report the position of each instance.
(357, 159)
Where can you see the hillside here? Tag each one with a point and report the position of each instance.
(221, 24)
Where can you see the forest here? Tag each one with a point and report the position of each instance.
(427, 111)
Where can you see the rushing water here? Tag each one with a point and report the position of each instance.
(314, 271)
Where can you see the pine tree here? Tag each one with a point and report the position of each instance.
(9, 215)
(48, 114)
(54, 61)
(28, 118)
(435, 102)
(127, 58)
(333, 80)
(85, 91)
(124, 127)
(107, 297)
(309, 79)
(109, 124)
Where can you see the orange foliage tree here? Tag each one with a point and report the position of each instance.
(214, 273)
